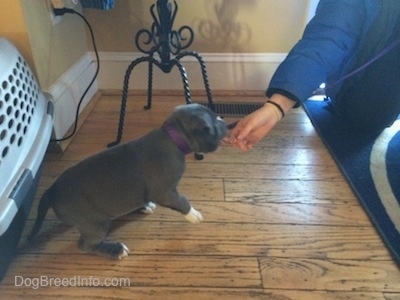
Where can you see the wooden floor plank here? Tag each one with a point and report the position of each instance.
(165, 293)
(145, 270)
(259, 213)
(271, 213)
(263, 171)
(228, 239)
(331, 275)
(288, 191)
(392, 296)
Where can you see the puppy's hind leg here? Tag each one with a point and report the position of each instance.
(92, 241)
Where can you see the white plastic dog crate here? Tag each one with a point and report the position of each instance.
(25, 129)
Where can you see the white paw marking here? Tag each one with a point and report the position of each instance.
(125, 251)
(148, 209)
(194, 216)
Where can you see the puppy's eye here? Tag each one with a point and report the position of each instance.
(219, 118)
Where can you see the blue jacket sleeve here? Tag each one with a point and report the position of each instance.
(328, 44)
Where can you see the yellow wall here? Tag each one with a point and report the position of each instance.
(221, 26)
(49, 49)
(55, 48)
(13, 26)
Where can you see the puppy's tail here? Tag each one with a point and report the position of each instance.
(44, 205)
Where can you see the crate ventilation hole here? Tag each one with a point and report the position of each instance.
(18, 98)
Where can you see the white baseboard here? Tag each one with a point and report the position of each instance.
(68, 90)
(230, 71)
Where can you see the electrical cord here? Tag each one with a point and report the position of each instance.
(60, 12)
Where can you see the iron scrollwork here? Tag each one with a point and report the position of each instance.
(162, 38)
(165, 41)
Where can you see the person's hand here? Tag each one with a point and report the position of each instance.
(252, 128)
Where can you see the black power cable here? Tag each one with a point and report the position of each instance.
(60, 12)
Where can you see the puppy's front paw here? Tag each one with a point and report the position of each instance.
(125, 251)
(148, 209)
(110, 250)
(115, 250)
(194, 216)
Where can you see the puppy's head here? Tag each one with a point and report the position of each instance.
(199, 125)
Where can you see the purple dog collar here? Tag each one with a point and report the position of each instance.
(177, 138)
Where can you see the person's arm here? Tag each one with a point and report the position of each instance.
(328, 43)
(326, 50)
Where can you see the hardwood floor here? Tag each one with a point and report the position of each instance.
(280, 222)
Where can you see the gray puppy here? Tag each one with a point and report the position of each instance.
(131, 176)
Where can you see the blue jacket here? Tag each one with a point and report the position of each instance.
(327, 49)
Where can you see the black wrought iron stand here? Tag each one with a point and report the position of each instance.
(164, 41)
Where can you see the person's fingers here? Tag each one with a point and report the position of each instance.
(235, 132)
(243, 145)
(244, 127)
(252, 128)
(245, 130)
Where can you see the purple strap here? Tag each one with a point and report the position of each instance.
(177, 138)
(383, 52)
